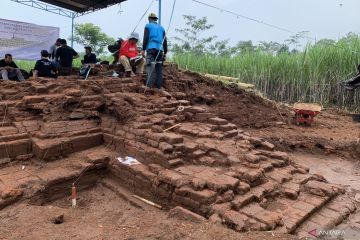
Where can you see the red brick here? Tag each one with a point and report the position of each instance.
(186, 202)
(271, 219)
(227, 127)
(250, 157)
(218, 121)
(238, 221)
(8, 131)
(218, 182)
(279, 175)
(231, 133)
(242, 200)
(172, 178)
(153, 143)
(195, 109)
(267, 145)
(321, 189)
(173, 138)
(242, 188)
(203, 116)
(248, 175)
(291, 190)
(204, 196)
(15, 148)
(173, 163)
(198, 183)
(184, 214)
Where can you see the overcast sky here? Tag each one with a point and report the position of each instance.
(322, 18)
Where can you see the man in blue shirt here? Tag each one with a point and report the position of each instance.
(155, 45)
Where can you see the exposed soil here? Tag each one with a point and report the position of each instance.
(101, 214)
(333, 133)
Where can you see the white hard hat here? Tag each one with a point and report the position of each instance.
(134, 35)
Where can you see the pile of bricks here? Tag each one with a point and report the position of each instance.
(188, 156)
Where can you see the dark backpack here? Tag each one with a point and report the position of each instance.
(25, 74)
(116, 46)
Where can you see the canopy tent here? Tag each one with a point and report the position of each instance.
(70, 8)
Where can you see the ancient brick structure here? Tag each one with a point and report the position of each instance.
(205, 163)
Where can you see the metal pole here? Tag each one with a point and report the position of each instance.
(159, 11)
(72, 29)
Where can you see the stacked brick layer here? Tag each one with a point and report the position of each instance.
(188, 156)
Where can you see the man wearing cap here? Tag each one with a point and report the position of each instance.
(155, 45)
(44, 67)
(9, 69)
(89, 57)
(129, 56)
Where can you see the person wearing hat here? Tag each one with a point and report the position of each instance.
(44, 67)
(89, 57)
(129, 56)
(155, 45)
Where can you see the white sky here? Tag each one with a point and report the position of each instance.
(323, 18)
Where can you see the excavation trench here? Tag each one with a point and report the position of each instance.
(61, 188)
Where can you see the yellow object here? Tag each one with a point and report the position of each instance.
(245, 86)
(152, 15)
(308, 106)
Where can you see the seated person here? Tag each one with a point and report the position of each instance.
(44, 67)
(65, 55)
(9, 70)
(129, 56)
(89, 57)
(352, 83)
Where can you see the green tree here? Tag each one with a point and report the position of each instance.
(243, 47)
(273, 47)
(88, 34)
(325, 42)
(295, 40)
(192, 40)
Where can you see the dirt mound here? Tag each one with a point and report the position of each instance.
(228, 101)
(184, 151)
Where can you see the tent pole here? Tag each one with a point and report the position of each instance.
(159, 11)
(72, 29)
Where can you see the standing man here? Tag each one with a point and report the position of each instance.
(129, 56)
(65, 55)
(53, 49)
(155, 45)
(89, 57)
(44, 67)
(9, 70)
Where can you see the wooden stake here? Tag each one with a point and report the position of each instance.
(73, 196)
(147, 201)
(172, 127)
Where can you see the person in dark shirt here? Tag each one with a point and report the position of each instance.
(44, 67)
(65, 55)
(9, 70)
(53, 48)
(89, 57)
